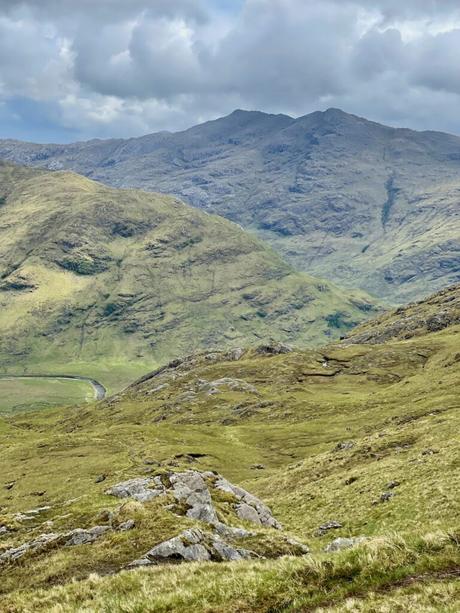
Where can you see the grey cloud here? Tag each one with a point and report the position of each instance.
(153, 58)
(108, 10)
(435, 62)
(377, 52)
(126, 67)
(278, 51)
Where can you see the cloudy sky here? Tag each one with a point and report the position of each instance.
(77, 69)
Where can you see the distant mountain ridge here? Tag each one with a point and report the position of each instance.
(341, 197)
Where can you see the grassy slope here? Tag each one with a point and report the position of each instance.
(109, 283)
(397, 402)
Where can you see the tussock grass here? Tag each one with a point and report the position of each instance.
(286, 584)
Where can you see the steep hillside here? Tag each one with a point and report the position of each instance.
(110, 283)
(348, 441)
(341, 197)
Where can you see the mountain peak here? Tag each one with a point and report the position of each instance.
(332, 110)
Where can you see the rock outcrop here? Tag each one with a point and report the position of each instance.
(193, 545)
(78, 536)
(140, 489)
(194, 490)
(197, 495)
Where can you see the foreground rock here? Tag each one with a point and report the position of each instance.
(141, 489)
(344, 543)
(78, 536)
(193, 545)
(201, 496)
(195, 489)
(204, 497)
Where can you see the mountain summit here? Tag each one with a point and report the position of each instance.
(339, 196)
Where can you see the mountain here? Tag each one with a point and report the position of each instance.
(355, 442)
(362, 204)
(99, 281)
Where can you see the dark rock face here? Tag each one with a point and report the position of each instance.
(340, 197)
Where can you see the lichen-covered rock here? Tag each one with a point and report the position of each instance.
(195, 489)
(301, 547)
(190, 487)
(80, 536)
(28, 515)
(193, 545)
(41, 542)
(247, 513)
(330, 525)
(139, 489)
(236, 385)
(248, 507)
(235, 354)
(187, 546)
(127, 525)
(344, 543)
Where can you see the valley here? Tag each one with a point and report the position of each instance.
(108, 284)
(33, 392)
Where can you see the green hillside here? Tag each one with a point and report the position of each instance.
(350, 440)
(110, 283)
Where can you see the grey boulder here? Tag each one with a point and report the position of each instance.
(139, 489)
(344, 543)
(80, 536)
(192, 545)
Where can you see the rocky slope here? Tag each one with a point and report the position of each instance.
(107, 283)
(341, 197)
(352, 447)
(437, 312)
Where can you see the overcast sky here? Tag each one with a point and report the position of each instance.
(77, 69)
